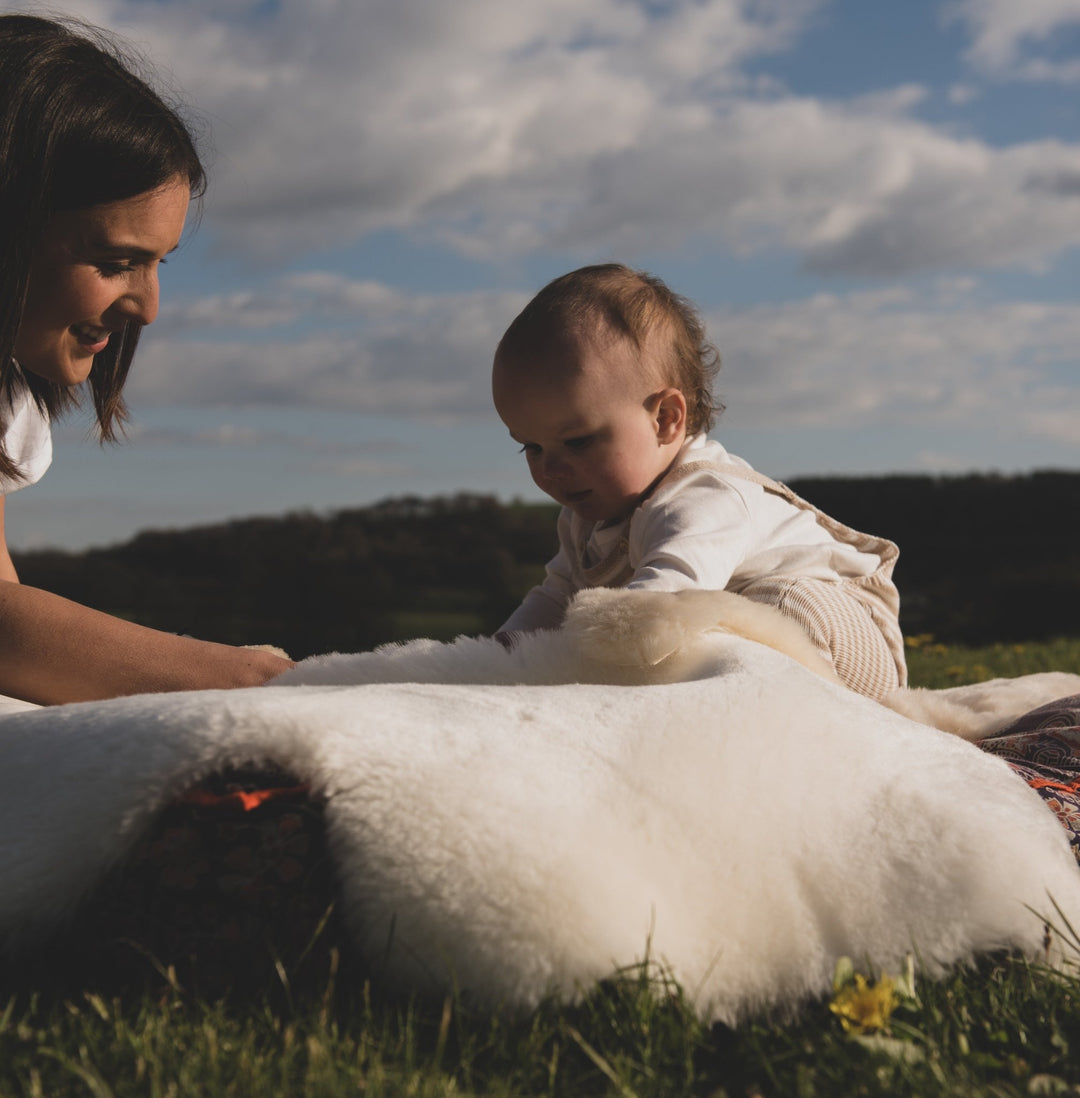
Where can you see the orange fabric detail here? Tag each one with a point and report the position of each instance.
(1049, 783)
(248, 800)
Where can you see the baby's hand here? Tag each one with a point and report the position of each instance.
(627, 628)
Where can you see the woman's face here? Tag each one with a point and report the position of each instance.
(94, 271)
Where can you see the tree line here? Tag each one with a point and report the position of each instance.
(983, 558)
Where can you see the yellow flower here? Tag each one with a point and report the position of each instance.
(863, 1008)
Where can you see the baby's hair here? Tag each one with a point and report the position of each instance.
(637, 306)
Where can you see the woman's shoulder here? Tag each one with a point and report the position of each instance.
(27, 438)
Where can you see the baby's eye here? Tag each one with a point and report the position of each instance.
(583, 442)
(529, 449)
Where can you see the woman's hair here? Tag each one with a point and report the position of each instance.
(663, 326)
(78, 128)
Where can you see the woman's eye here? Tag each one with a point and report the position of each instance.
(113, 269)
(529, 449)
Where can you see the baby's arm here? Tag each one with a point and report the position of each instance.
(544, 606)
(694, 533)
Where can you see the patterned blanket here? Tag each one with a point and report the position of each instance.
(1043, 747)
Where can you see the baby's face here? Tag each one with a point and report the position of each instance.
(593, 429)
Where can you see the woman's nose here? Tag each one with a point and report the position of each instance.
(140, 303)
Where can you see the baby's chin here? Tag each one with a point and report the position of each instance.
(591, 510)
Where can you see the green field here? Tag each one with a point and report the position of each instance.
(1006, 1027)
(937, 665)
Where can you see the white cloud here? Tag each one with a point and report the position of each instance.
(890, 358)
(854, 193)
(897, 359)
(349, 117)
(501, 129)
(376, 348)
(249, 436)
(959, 95)
(1015, 38)
(614, 126)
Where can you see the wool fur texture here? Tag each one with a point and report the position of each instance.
(524, 822)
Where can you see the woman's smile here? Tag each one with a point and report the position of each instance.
(95, 340)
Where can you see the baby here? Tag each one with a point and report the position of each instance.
(605, 379)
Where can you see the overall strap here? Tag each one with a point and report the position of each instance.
(877, 591)
(885, 550)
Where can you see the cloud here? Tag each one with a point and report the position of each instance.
(1061, 183)
(496, 129)
(854, 192)
(373, 348)
(941, 357)
(960, 95)
(1014, 39)
(899, 359)
(246, 436)
(344, 118)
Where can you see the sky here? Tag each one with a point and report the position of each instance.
(875, 205)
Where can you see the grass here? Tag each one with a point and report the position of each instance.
(938, 665)
(1005, 1027)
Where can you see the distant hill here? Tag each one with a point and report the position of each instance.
(983, 558)
(310, 583)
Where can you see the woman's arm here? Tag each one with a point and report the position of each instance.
(7, 567)
(53, 650)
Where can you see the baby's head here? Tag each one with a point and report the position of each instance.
(601, 378)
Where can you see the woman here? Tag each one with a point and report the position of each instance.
(96, 174)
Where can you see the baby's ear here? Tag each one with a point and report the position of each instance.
(670, 415)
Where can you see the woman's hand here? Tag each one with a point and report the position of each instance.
(53, 650)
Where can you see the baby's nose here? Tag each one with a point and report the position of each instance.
(555, 467)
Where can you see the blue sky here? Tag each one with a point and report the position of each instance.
(876, 205)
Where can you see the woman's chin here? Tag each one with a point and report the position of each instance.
(69, 371)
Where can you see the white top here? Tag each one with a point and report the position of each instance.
(706, 528)
(27, 439)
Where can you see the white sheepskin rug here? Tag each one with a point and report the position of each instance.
(694, 796)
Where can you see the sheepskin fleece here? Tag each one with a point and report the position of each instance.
(745, 827)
